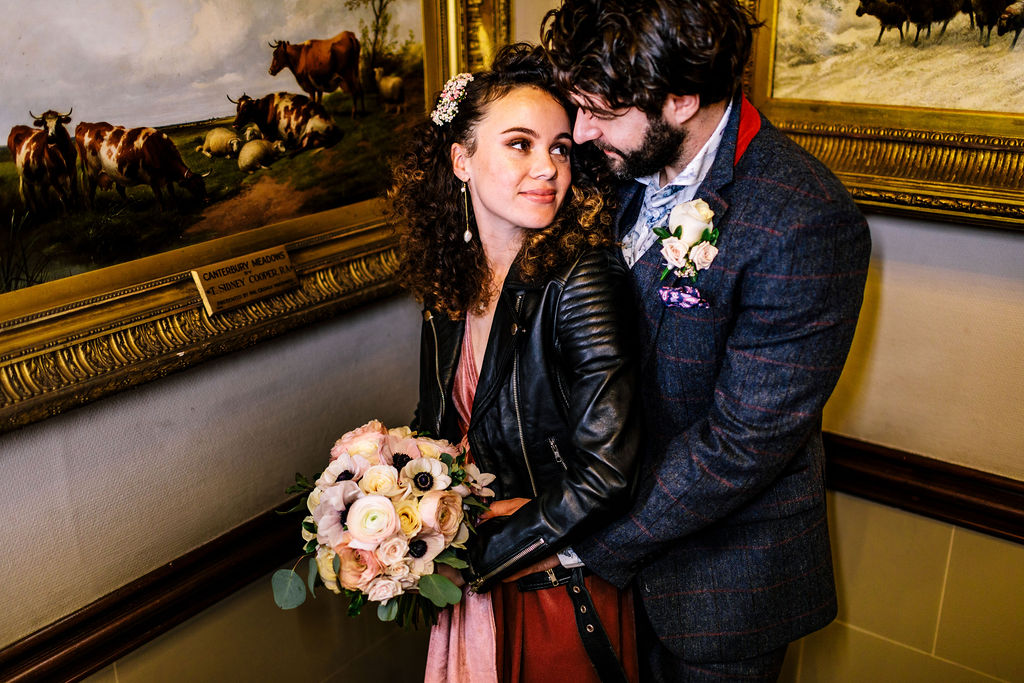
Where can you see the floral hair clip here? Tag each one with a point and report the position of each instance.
(448, 103)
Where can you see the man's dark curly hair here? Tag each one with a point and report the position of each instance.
(635, 53)
(441, 270)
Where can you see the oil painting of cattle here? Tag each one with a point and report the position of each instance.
(138, 128)
(957, 55)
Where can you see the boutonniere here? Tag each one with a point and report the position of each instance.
(688, 244)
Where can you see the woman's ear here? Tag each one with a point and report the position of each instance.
(460, 162)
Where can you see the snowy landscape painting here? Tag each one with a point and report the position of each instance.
(881, 53)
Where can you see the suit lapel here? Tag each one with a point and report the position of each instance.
(647, 270)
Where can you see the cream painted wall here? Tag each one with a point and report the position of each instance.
(937, 366)
(100, 496)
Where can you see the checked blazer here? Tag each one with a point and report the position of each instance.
(727, 539)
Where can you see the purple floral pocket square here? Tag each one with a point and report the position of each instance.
(683, 296)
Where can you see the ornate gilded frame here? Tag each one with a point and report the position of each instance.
(67, 342)
(960, 166)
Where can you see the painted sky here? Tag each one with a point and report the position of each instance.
(155, 62)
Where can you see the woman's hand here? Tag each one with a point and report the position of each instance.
(504, 508)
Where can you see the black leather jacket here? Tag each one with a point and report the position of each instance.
(554, 415)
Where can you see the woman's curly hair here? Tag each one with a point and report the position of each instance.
(441, 270)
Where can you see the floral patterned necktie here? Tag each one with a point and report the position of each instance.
(657, 205)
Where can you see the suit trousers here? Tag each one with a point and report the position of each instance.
(659, 665)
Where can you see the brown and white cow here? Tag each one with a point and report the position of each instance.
(45, 158)
(133, 156)
(322, 66)
(293, 119)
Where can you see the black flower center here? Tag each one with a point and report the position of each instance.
(345, 475)
(424, 481)
(400, 460)
(343, 516)
(418, 548)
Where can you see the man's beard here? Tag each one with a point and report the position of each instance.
(661, 147)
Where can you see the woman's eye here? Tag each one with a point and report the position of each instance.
(520, 144)
(561, 150)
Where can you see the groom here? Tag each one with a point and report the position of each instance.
(727, 542)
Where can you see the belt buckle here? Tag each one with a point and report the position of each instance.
(551, 576)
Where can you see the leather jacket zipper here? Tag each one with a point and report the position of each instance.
(558, 456)
(478, 582)
(515, 401)
(437, 374)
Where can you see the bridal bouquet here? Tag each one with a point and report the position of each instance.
(388, 509)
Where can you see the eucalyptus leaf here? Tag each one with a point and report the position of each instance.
(337, 564)
(449, 558)
(388, 610)
(289, 590)
(439, 590)
(311, 578)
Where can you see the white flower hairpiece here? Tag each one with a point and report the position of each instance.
(448, 102)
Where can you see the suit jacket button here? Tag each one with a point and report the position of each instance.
(515, 329)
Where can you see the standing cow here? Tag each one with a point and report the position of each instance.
(45, 158)
(133, 156)
(293, 119)
(322, 66)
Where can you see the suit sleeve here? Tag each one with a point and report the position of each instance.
(599, 362)
(797, 307)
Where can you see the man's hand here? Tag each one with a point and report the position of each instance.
(549, 562)
(503, 508)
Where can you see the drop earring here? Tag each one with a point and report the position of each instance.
(466, 236)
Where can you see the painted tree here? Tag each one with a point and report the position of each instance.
(374, 35)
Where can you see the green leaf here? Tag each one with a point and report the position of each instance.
(439, 590)
(337, 564)
(447, 459)
(289, 590)
(301, 505)
(449, 558)
(387, 610)
(474, 503)
(664, 273)
(678, 234)
(311, 578)
(310, 546)
(309, 526)
(355, 605)
(662, 233)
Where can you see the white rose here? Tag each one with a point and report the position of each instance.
(674, 251)
(383, 588)
(703, 254)
(370, 521)
(397, 571)
(325, 566)
(392, 551)
(694, 217)
(382, 480)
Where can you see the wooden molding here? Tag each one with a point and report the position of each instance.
(933, 488)
(98, 634)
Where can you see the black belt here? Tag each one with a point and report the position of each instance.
(595, 638)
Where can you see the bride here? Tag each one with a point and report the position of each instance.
(527, 356)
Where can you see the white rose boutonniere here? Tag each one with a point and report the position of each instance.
(688, 244)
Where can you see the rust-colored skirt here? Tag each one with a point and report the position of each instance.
(537, 637)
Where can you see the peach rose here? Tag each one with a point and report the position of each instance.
(674, 251)
(393, 550)
(703, 254)
(383, 588)
(433, 448)
(358, 568)
(369, 441)
(441, 511)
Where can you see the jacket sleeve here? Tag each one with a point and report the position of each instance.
(596, 351)
(797, 309)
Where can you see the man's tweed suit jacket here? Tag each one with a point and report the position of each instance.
(727, 539)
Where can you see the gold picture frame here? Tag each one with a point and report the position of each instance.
(70, 341)
(959, 165)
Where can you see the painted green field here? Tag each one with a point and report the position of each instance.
(116, 230)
